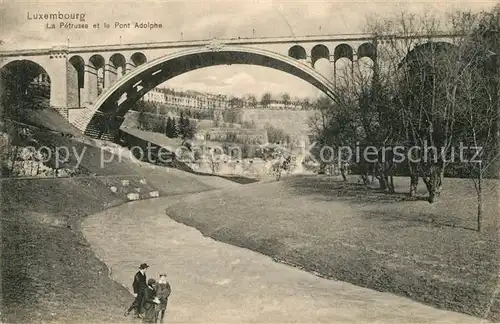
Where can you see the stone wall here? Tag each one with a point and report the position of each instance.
(293, 122)
(242, 135)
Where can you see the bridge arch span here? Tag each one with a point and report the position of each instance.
(319, 51)
(25, 83)
(76, 80)
(419, 53)
(343, 51)
(367, 50)
(116, 100)
(118, 62)
(138, 58)
(297, 52)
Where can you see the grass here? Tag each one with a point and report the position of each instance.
(142, 138)
(49, 272)
(356, 234)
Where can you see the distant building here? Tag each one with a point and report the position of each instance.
(155, 95)
(190, 99)
(187, 99)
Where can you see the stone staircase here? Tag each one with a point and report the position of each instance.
(83, 120)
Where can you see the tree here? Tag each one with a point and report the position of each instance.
(286, 99)
(276, 135)
(168, 128)
(183, 121)
(252, 101)
(174, 129)
(305, 103)
(265, 101)
(479, 116)
(427, 88)
(234, 102)
(142, 120)
(187, 128)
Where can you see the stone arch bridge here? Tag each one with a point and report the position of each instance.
(96, 85)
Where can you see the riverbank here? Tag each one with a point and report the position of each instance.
(49, 271)
(428, 252)
(213, 282)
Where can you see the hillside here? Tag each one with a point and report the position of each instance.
(49, 272)
(344, 231)
(292, 121)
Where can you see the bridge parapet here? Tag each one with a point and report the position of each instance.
(229, 41)
(58, 51)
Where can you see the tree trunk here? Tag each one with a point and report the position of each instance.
(343, 173)
(13, 159)
(479, 191)
(413, 179)
(433, 182)
(382, 182)
(413, 184)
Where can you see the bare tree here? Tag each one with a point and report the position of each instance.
(285, 98)
(427, 85)
(265, 101)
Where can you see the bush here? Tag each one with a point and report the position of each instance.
(276, 135)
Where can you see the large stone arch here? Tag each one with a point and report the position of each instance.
(420, 52)
(24, 84)
(117, 99)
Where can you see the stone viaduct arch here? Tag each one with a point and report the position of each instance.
(117, 99)
(80, 74)
(24, 83)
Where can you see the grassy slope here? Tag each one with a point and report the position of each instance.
(49, 273)
(48, 270)
(367, 238)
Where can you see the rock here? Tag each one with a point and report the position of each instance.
(154, 194)
(114, 189)
(133, 196)
(125, 183)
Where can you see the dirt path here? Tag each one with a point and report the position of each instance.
(214, 282)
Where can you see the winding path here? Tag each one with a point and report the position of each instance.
(214, 282)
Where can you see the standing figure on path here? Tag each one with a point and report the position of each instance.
(163, 291)
(139, 286)
(150, 303)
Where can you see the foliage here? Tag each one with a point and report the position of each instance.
(266, 99)
(286, 99)
(439, 95)
(187, 127)
(232, 115)
(276, 135)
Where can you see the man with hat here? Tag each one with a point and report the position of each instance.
(139, 286)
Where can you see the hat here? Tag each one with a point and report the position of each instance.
(151, 281)
(144, 266)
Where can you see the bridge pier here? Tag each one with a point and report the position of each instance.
(110, 75)
(90, 90)
(129, 66)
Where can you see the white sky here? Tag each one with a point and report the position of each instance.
(206, 19)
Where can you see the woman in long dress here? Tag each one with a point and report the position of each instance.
(150, 302)
(163, 291)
